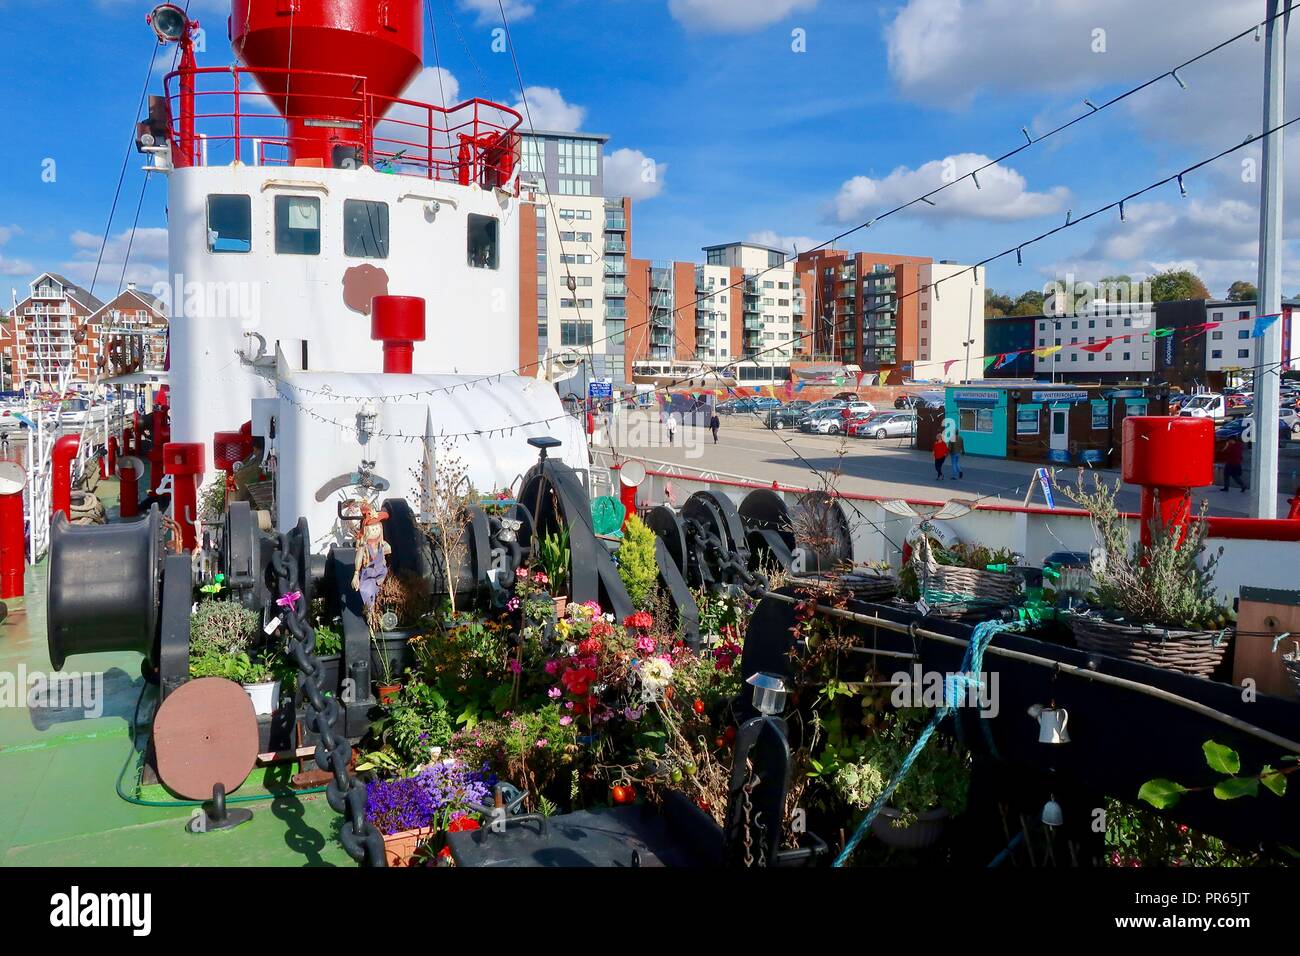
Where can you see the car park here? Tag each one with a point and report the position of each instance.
(787, 416)
(824, 421)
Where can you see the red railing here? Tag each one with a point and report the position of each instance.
(476, 141)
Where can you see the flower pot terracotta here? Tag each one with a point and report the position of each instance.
(388, 692)
(561, 605)
(400, 848)
(925, 832)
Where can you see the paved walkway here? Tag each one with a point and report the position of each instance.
(874, 467)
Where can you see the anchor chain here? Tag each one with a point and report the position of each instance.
(345, 794)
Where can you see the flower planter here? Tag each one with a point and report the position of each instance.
(265, 697)
(561, 605)
(925, 832)
(400, 848)
(1189, 652)
(391, 653)
(1292, 664)
(387, 693)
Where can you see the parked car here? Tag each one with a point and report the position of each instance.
(787, 416)
(846, 396)
(887, 425)
(932, 399)
(857, 410)
(1244, 428)
(822, 421)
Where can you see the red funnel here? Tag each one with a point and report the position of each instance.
(307, 54)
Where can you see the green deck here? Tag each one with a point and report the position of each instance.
(58, 774)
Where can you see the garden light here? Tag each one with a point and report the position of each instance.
(769, 693)
(169, 22)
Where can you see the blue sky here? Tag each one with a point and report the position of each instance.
(749, 138)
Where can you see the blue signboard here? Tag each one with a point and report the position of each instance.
(600, 390)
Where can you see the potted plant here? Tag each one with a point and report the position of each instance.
(932, 791)
(554, 556)
(395, 619)
(412, 811)
(256, 676)
(1152, 603)
(637, 566)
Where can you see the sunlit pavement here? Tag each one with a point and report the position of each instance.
(891, 467)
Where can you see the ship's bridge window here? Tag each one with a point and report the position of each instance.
(230, 224)
(365, 229)
(297, 225)
(482, 242)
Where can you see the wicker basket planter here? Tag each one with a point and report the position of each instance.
(925, 832)
(1189, 652)
(945, 584)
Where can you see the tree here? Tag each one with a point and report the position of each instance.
(1242, 291)
(1029, 303)
(996, 304)
(1173, 285)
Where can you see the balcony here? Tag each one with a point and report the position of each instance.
(848, 291)
(615, 269)
(615, 287)
(615, 246)
(751, 325)
(615, 224)
(616, 312)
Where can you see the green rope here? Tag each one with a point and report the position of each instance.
(972, 661)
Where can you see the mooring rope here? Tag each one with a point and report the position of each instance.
(972, 662)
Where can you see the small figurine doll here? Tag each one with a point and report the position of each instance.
(372, 552)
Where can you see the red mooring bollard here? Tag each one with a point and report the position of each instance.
(13, 546)
(112, 454)
(65, 449)
(1168, 457)
(185, 462)
(130, 470)
(162, 434)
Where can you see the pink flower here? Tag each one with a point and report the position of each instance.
(554, 692)
(645, 645)
(542, 742)
(541, 578)
(521, 574)
(515, 667)
(552, 668)
(566, 720)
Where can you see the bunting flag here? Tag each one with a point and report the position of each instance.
(839, 379)
(1201, 329)
(1161, 333)
(771, 391)
(1048, 351)
(1101, 346)
(1261, 325)
(991, 360)
(800, 386)
(949, 364)
(789, 389)
(861, 376)
(1008, 358)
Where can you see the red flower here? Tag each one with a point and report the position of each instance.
(578, 682)
(600, 628)
(641, 621)
(698, 706)
(461, 824)
(590, 646)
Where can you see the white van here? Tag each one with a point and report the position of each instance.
(1205, 405)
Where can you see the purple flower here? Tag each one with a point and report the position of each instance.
(565, 721)
(429, 799)
(515, 667)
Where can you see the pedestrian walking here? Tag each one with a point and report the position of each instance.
(1233, 454)
(955, 451)
(714, 424)
(672, 426)
(940, 454)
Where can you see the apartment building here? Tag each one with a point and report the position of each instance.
(898, 316)
(49, 331)
(61, 326)
(574, 247)
(739, 315)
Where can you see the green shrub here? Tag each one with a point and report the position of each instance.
(636, 563)
(222, 627)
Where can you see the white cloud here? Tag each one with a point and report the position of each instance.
(12, 268)
(549, 111)
(1216, 239)
(945, 51)
(734, 16)
(1002, 194)
(630, 172)
(148, 263)
(489, 12)
(791, 244)
(433, 85)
